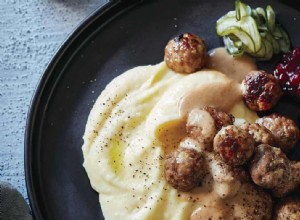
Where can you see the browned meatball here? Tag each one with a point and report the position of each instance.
(221, 118)
(291, 183)
(185, 53)
(201, 126)
(269, 167)
(287, 209)
(260, 134)
(251, 203)
(284, 130)
(234, 145)
(184, 169)
(261, 91)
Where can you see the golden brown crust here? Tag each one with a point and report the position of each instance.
(234, 145)
(269, 167)
(260, 134)
(184, 169)
(261, 91)
(221, 118)
(292, 182)
(185, 53)
(287, 209)
(284, 130)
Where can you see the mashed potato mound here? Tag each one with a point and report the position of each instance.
(134, 123)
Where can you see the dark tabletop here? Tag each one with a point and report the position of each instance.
(31, 31)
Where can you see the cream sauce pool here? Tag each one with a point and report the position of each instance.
(234, 67)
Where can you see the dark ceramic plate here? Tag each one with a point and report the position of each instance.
(117, 37)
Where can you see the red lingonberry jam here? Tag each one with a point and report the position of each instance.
(288, 72)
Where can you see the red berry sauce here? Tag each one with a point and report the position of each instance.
(288, 72)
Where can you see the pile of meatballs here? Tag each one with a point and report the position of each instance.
(258, 151)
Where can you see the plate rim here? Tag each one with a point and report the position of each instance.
(102, 12)
(108, 11)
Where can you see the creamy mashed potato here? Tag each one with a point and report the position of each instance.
(135, 122)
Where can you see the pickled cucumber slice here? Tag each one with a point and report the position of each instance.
(245, 30)
(253, 31)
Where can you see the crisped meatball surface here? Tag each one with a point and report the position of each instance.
(185, 53)
(184, 169)
(284, 130)
(261, 91)
(287, 209)
(253, 203)
(234, 145)
(221, 118)
(260, 134)
(269, 167)
(291, 183)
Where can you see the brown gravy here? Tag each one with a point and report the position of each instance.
(222, 95)
(234, 67)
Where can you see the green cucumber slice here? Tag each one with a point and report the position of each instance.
(261, 14)
(242, 10)
(249, 26)
(270, 18)
(259, 54)
(284, 42)
(229, 25)
(260, 17)
(269, 49)
(277, 32)
(275, 44)
(232, 47)
(253, 31)
(240, 34)
(265, 52)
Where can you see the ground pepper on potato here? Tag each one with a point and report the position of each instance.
(217, 154)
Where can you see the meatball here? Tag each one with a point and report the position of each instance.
(288, 208)
(201, 126)
(291, 183)
(261, 91)
(184, 169)
(221, 118)
(260, 134)
(284, 130)
(185, 53)
(251, 203)
(269, 167)
(234, 145)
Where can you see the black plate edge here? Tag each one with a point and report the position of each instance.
(103, 12)
(108, 11)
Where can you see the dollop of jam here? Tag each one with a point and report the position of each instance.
(288, 72)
